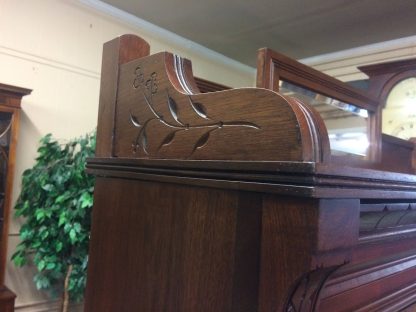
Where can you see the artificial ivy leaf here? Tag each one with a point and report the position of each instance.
(58, 246)
(48, 187)
(40, 214)
(86, 200)
(73, 236)
(18, 259)
(77, 227)
(62, 218)
(41, 265)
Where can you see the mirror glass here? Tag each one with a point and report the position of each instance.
(347, 124)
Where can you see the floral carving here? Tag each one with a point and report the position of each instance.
(148, 88)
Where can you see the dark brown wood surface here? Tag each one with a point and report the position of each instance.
(7, 298)
(205, 86)
(273, 67)
(238, 219)
(115, 52)
(158, 117)
(10, 100)
(179, 242)
(384, 76)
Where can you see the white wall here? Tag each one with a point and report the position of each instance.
(54, 47)
(343, 64)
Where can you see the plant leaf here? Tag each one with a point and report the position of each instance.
(73, 236)
(173, 109)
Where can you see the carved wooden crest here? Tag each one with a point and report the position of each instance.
(158, 115)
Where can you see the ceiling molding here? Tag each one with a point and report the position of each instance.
(367, 50)
(165, 35)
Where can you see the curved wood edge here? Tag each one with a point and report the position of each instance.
(308, 290)
(175, 121)
(118, 51)
(317, 134)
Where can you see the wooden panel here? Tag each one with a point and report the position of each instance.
(303, 239)
(10, 99)
(184, 249)
(115, 52)
(205, 86)
(155, 119)
(6, 299)
(396, 154)
(380, 286)
(228, 201)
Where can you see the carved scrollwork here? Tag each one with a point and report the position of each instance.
(389, 216)
(304, 297)
(148, 88)
(159, 114)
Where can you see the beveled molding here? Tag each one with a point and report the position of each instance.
(397, 272)
(304, 179)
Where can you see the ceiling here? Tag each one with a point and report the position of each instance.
(297, 28)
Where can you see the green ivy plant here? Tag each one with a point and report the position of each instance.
(56, 201)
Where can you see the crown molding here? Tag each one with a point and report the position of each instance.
(46, 61)
(367, 50)
(159, 33)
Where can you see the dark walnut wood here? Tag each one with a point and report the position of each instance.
(205, 86)
(10, 99)
(274, 67)
(229, 201)
(166, 120)
(383, 76)
(386, 153)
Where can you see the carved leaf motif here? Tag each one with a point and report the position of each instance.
(168, 139)
(173, 109)
(199, 109)
(202, 140)
(135, 121)
(143, 141)
(241, 124)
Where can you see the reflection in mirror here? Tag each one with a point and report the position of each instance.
(347, 125)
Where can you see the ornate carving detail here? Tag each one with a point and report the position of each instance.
(150, 84)
(380, 217)
(306, 293)
(148, 88)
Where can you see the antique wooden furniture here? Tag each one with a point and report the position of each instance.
(231, 201)
(10, 98)
(393, 84)
(337, 101)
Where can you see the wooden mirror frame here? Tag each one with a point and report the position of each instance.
(273, 67)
